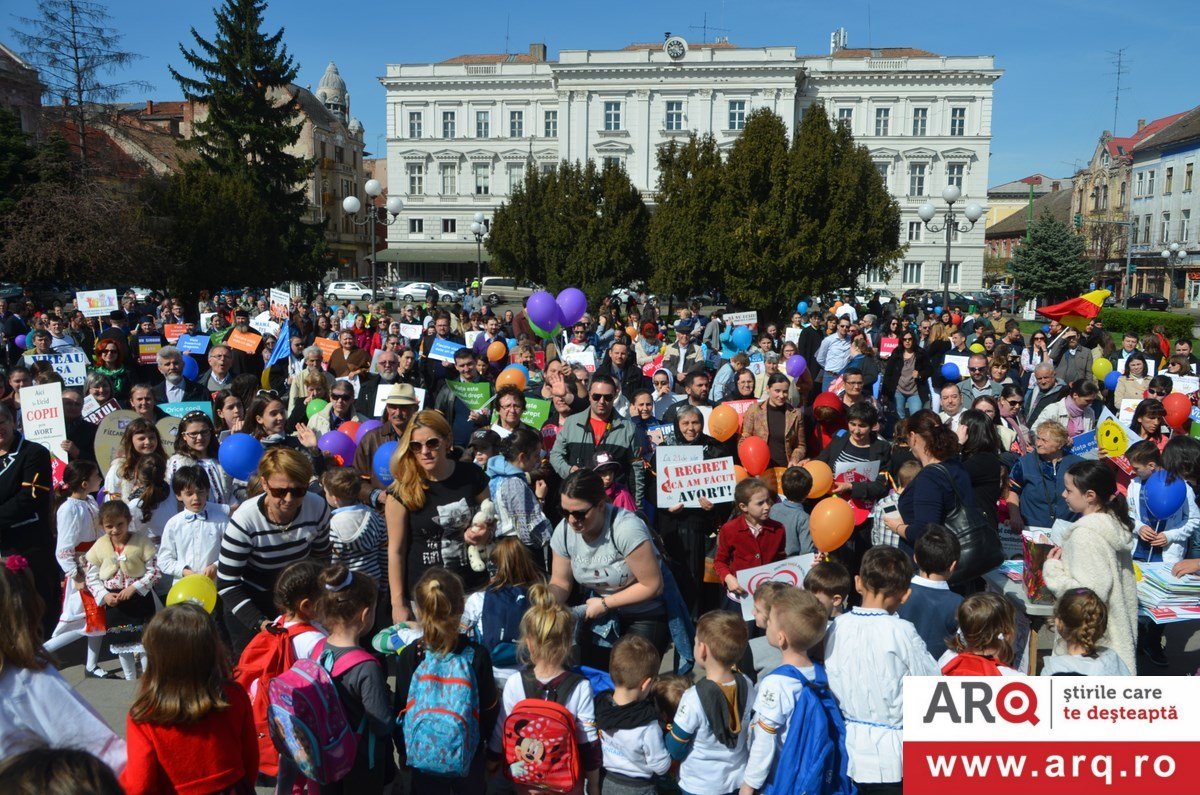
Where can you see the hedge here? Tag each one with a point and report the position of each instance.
(1141, 322)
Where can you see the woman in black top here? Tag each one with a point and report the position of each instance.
(980, 446)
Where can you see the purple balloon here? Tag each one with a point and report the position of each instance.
(795, 365)
(20, 341)
(542, 310)
(364, 428)
(339, 444)
(573, 304)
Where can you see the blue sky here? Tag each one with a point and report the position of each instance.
(1054, 99)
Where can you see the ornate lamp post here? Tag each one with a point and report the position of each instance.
(950, 224)
(375, 215)
(1173, 255)
(480, 231)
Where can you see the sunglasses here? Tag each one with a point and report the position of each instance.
(340, 396)
(430, 445)
(598, 398)
(580, 515)
(1157, 392)
(1013, 403)
(295, 492)
(977, 369)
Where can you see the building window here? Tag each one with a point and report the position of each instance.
(912, 272)
(1139, 186)
(1150, 183)
(916, 179)
(516, 175)
(449, 226)
(483, 177)
(915, 231)
(449, 173)
(611, 161)
(416, 226)
(482, 124)
(1146, 229)
(1164, 230)
(673, 121)
(414, 124)
(516, 124)
(416, 178)
(883, 118)
(448, 123)
(1121, 197)
(1104, 197)
(958, 121)
(846, 116)
(323, 154)
(1185, 226)
(546, 169)
(550, 127)
(1187, 177)
(883, 168)
(953, 273)
(737, 114)
(612, 116)
(954, 175)
(920, 121)
(874, 272)
(1168, 178)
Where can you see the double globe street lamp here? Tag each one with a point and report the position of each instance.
(950, 223)
(480, 230)
(375, 215)
(1173, 255)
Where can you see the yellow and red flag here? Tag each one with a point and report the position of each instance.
(1078, 311)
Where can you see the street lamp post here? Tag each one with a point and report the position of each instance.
(950, 224)
(1173, 255)
(480, 231)
(375, 215)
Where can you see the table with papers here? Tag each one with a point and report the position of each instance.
(1164, 598)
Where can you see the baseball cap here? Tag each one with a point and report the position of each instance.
(603, 460)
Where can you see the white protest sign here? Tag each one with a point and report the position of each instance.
(1128, 406)
(263, 324)
(281, 304)
(96, 303)
(71, 365)
(1185, 384)
(411, 331)
(789, 570)
(1151, 366)
(791, 334)
(585, 358)
(741, 318)
(469, 337)
(684, 477)
(42, 419)
(205, 318)
(961, 363)
(856, 471)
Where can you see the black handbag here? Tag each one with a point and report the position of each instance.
(980, 550)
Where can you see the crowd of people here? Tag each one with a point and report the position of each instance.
(490, 588)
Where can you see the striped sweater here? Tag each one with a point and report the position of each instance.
(359, 538)
(254, 551)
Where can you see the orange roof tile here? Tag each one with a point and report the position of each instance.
(1123, 146)
(884, 52)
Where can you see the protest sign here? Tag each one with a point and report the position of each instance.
(187, 407)
(281, 304)
(109, 433)
(1151, 366)
(94, 411)
(71, 365)
(791, 335)
(1128, 407)
(1185, 384)
(585, 358)
(1084, 445)
(654, 364)
(96, 303)
(196, 345)
(537, 412)
(474, 393)
(1111, 435)
(856, 471)
(789, 570)
(42, 419)
(173, 331)
(263, 324)
(382, 395)
(411, 331)
(887, 345)
(741, 318)
(148, 347)
(660, 434)
(539, 359)
(168, 429)
(327, 347)
(757, 367)
(443, 350)
(683, 478)
(469, 337)
(206, 321)
(961, 363)
(245, 342)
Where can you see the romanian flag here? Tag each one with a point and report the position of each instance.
(1078, 311)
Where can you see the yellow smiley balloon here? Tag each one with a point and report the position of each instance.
(1111, 438)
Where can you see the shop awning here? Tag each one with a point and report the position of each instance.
(424, 252)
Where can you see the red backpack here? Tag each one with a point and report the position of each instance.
(967, 664)
(540, 748)
(265, 657)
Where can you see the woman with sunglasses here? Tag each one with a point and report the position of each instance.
(434, 498)
(906, 377)
(1134, 383)
(340, 409)
(1160, 386)
(1149, 423)
(285, 524)
(111, 364)
(1010, 405)
(196, 446)
(609, 553)
(1036, 352)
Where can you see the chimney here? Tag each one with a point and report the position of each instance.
(1141, 124)
(149, 107)
(538, 52)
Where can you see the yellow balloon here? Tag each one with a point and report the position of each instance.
(1101, 368)
(194, 588)
(266, 379)
(976, 348)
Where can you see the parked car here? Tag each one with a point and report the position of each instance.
(452, 287)
(11, 291)
(980, 299)
(1146, 301)
(351, 291)
(505, 290)
(412, 292)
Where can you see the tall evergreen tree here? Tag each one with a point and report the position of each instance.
(678, 242)
(1051, 263)
(16, 162)
(513, 239)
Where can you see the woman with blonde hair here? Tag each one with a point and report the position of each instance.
(434, 499)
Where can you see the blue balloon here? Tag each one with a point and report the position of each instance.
(937, 310)
(950, 372)
(1046, 329)
(239, 455)
(1110, 380)
(741, 338)
(1164, 497)
(191, 370)
(802, 307)
(381, 464)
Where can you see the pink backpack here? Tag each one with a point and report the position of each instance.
(307, 720)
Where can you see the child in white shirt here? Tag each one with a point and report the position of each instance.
(868, 652)
(1157, 540)
(191, 539)
(1081, 619)
(709, 732)
(627, 720)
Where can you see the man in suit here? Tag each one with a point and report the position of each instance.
(174, 388)
(434, 371)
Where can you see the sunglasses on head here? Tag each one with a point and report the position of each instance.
(429, 445)
(288, 491)
(579, 515)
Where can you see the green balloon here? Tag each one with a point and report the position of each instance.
(546, 335)
(1194, 430)
(314, 406)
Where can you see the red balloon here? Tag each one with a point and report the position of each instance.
(1178, 408)
(755, 455)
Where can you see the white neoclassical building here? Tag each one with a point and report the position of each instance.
(461, 131)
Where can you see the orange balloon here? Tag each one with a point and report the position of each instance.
(771, 478)
(631, 331)
(497, 351)
(350, 428)
(831, 523)
(822, 478)
(739, 473)
(722, 423)
(779, 477)
(511, 377)
(754, 455)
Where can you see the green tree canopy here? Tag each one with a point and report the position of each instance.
(680, 250)
(1051, 263)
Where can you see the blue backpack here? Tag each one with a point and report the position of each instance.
(441, 718)
(502, 612)
(813, 757)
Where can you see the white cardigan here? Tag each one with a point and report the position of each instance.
(1058, 412)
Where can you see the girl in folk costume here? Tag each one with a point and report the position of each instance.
(122, 568)
(78, 529)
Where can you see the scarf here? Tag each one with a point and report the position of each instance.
(1074, 417)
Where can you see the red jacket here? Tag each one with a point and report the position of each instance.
(204, 757)
(737, 549)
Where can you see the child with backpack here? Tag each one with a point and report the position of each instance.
(493, 616)
(709, 729)
(292, 637)
(983, 643)
(445, 694)
(547, 732)
(189, 728)
(627, 720)
(799, 739)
